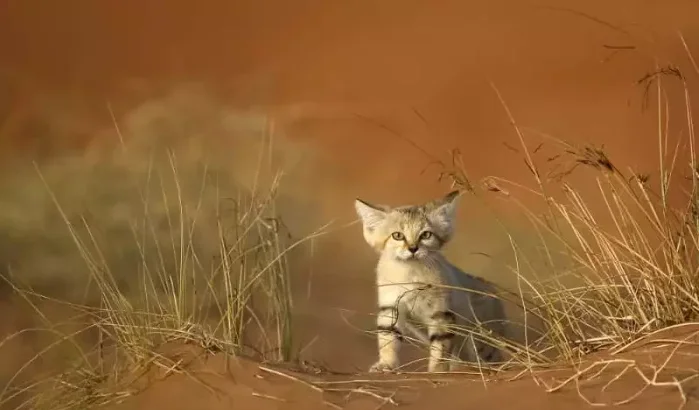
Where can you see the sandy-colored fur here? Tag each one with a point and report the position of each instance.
(418, 286)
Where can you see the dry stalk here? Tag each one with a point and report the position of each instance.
(267, 396)
(295, 379)
(594, 370)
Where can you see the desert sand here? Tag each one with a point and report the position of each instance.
(363, 97)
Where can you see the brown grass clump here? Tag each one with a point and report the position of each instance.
(612, 275)
(151, 243)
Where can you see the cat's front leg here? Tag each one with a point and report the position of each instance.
(390, 328)
(439, 327)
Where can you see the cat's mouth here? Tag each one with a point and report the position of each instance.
(412, 256)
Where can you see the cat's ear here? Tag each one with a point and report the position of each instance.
(442, 213)
(371, 215)
(451, 196)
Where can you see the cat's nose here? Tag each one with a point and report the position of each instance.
(412, 249)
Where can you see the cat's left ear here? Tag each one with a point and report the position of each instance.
(446, 207)
(451, 197)
(442, 212)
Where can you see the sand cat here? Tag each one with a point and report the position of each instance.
(416, 284)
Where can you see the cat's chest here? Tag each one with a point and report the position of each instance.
(408, 274)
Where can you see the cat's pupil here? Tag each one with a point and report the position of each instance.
(397, 236)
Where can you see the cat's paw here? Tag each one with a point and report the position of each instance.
(440, 367)
(381, 367)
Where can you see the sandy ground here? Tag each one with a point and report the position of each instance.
(211, 382)
(350, 82)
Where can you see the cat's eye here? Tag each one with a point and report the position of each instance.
(398, 236)
(425, 235)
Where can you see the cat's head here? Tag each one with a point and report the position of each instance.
(409, 232)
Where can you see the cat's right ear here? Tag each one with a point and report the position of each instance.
(371, 216)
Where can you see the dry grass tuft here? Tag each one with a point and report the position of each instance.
(152, 243)
(612, 275)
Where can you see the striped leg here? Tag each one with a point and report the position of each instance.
(441, 339)
(390, 328)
